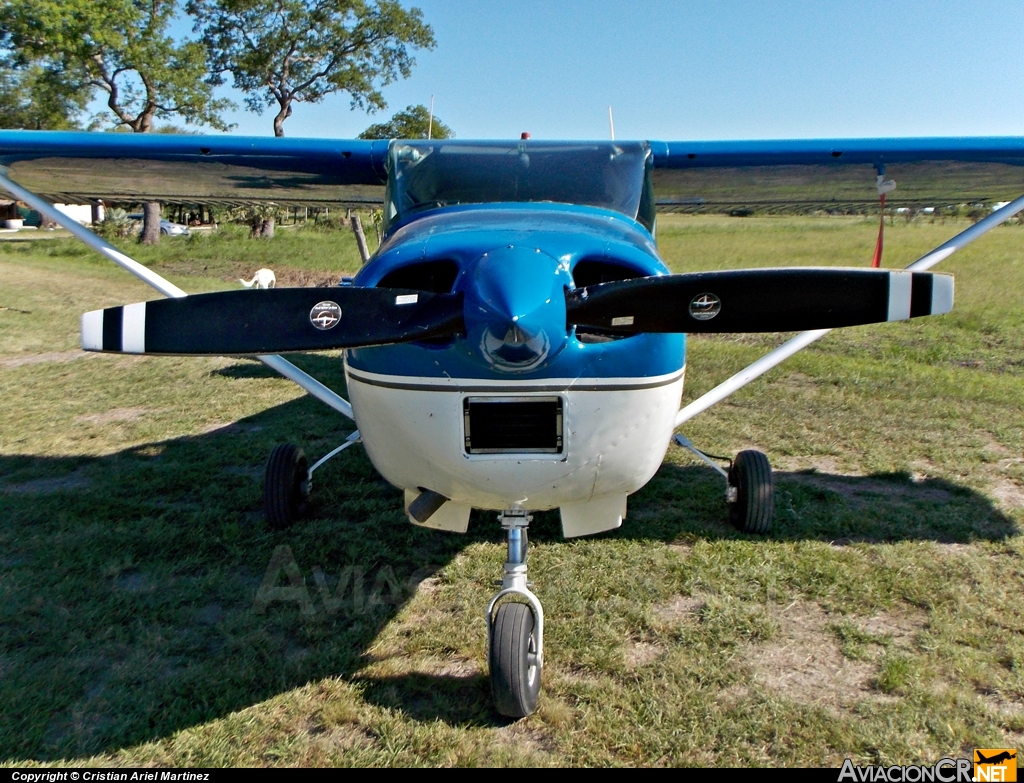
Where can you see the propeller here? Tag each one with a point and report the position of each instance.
(271, 321)
(758, 300)
(280, 320)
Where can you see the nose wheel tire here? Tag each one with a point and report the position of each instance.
(514, 666)
(754, 507)
(285, 486)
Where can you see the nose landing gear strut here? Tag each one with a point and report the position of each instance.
(515, 632)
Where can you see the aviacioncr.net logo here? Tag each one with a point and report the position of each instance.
(944, 771)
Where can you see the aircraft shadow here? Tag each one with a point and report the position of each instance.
(813, 505)
(134, 587)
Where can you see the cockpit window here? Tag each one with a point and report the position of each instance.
(428, 174)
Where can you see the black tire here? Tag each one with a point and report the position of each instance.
(285, 486)
(754, 509)
(515, 673)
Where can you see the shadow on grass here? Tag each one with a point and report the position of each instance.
(809, 505)
(458, 700)
(129, 582)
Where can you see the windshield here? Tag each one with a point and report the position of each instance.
(428, 174)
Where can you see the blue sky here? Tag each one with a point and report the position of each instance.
(704, 70)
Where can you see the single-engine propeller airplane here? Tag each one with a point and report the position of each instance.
(516, 343)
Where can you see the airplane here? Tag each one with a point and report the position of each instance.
(1003, 756)
(516, 343)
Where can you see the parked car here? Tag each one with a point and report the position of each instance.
(166, 226)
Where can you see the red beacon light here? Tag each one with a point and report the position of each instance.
(524, 135)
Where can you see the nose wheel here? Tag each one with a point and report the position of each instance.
(515, 628)
(515, 667)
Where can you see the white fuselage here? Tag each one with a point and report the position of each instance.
(616, 432)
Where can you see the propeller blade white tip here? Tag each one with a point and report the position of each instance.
(92, 330)
(942, 294)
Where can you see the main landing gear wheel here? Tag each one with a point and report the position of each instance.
(754, 507)
(515, 667)
(285, 486)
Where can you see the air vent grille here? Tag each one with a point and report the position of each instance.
(511, 425)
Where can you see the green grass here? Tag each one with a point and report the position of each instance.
(882, 620)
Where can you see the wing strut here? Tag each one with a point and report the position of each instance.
(167, 288)
(802, 340)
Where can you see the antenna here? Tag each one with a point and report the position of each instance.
(430, 122)
(611, 123)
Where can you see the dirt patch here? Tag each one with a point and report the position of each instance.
(428, 586)
(324, 739)
(680, 609)
(994, 446)
(46, 486)
(43, 358)
(1007, 494)
(803, 661)
(811, 465)
(115, 415)
(952, 549)
(461, 668)
(902, 627)
(1003, 704)
(640, 654)
(530, 741)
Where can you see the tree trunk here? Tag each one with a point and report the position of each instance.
(267, 229)
(150, 223)
(281, 116)
(357, 229)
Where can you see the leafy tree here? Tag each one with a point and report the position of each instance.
(413, 123)
(290, 51)
(121, 48)
(40, 98)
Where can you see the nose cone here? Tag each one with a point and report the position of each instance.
(515, 307)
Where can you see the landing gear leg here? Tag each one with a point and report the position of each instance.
(749, 487)
(515, 632)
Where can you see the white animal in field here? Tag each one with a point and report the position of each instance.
(264, 279)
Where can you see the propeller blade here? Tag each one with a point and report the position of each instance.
(275, 320)
(759, 300)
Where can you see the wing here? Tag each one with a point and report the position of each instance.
(76, 167)
(835, 174)
(691, 175)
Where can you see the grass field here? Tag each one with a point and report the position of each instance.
(883, 620)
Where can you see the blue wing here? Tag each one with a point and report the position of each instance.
(837, 174)
(708, 175)
(75, 166)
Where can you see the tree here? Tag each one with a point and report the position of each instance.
(413, 123)
(39, 98)
(121, 48)
(290, 51)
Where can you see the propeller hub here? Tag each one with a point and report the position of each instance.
(515, 307)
